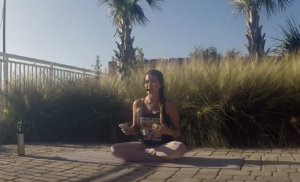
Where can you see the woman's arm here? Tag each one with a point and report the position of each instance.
(135, 108)
(172, 111)
(133, 129)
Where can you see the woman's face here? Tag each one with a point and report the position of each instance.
(151, 84)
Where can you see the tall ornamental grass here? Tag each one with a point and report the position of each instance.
(227, 103)
(85, 110)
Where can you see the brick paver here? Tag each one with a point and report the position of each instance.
(40, 164)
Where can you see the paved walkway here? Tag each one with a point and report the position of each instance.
(40, 164)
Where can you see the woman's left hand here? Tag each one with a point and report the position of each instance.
(161, 129)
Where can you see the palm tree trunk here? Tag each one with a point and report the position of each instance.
(253, 34)
(126, 52)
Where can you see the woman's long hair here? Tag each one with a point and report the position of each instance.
(162, 98)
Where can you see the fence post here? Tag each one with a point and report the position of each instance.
(1, 62)
(51, 73)
(5, 74)
(84, 75)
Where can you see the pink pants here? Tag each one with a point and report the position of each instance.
(138, 152)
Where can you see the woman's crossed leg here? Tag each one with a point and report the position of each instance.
(138, 152)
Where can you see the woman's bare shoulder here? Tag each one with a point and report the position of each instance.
(138, 102)
(170, 105)
(169, 102)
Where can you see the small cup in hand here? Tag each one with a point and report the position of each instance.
(124, 126)
(126, 129)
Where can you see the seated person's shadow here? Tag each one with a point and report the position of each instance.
(202, 161)
(198, 161)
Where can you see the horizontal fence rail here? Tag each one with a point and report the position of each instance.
(17, 69)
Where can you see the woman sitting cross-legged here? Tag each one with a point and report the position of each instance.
(156, 120)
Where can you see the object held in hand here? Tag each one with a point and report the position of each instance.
(124, 126)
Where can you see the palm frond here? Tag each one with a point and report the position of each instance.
(272, 7)
(156, 5)
(283, 4)
(269, 6)
(137, 15)
(291, 37)
(240, 6)
(113, 9)
(118, 9)
(101, 2)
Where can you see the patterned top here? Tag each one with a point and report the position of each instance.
(146, 135)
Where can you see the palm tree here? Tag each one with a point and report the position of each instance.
(290, 43)
(252, 8)
(125, 15)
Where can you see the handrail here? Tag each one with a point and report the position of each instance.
(13, 66)
(43, 62)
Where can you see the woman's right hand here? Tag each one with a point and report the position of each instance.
(128, 131)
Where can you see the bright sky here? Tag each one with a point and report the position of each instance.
(74, 32)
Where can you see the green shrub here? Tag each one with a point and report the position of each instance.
(229, 103)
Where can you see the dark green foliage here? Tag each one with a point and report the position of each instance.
(97, 66)
(229, 103)
(290, 42)
(202, 53)
(67, 111)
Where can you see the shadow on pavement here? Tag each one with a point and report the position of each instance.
(107, 175)
(6, 150)
(140, 172)
(269, 163)
(72, 145)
